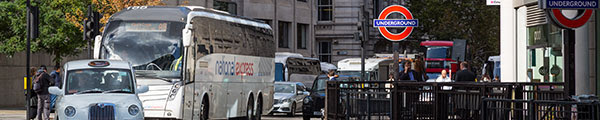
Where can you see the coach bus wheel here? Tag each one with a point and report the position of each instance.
(250, 109)
(258, 111)
(204, 109)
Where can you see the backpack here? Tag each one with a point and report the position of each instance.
(37, 85)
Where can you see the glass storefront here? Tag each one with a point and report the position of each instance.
(544, 53)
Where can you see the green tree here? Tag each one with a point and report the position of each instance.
(60, 25)
(57, 36)
(472, 20)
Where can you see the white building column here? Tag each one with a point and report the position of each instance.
(582, 73)
(508, 54)
(521, 45)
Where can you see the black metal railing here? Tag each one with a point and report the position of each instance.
(426, 100)
(503, 109)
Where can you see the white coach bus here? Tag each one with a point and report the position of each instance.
(198, 63)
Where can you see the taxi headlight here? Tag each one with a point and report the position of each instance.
(134, 110)
(70, 111)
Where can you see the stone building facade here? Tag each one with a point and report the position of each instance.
(339, 20)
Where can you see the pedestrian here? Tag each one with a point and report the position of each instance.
(443, 77)
(55, 76)
(409, 74)
(464, 74)
(43, 80)
(33, 108)
(420, 67)
(332, 76)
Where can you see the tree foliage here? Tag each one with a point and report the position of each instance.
(107, 8)
(472, 20)
(57, 36)
(60, 24)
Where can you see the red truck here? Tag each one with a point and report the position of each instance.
(439, 56)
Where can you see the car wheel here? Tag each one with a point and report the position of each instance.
(292, 110)
(305, 117)
(250, 109)
(258, 111)
(204, 109)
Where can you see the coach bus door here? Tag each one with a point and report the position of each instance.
(188, 75)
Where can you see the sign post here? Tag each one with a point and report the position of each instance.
(382, 23)
(585, 11)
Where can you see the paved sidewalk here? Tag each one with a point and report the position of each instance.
(15, 114)
(12, 114)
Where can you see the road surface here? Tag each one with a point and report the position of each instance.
(16, 114)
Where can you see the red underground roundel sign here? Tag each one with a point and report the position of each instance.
(565, 22)
(382, 23)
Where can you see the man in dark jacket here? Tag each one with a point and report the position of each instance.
(56, 78)
(464, 75)
(43, 109)
(409, 74)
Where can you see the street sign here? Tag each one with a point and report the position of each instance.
(564, 22)
(554, 9)
(568, 4)
(492, 2)
(382, 23)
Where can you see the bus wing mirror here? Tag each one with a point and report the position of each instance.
(97, 44)
(187, 36)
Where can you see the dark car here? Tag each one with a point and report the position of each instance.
(314, 103)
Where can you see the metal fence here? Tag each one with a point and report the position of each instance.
(426, 100)
(503, 109)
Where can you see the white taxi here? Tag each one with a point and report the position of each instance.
(98, 90)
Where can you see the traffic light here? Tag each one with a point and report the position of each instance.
(91, 25)
(34, 21)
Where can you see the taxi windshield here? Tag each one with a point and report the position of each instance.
(99, 81)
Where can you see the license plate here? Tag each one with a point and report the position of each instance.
(317, 113)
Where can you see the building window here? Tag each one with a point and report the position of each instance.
(284, 34)
(301, 36)
(376, 9)
(229, 7)
(325, 51)
(544, 59)
(325, 10)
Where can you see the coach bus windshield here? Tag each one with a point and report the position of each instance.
(149, 46)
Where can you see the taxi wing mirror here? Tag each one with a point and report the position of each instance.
(55, 91)
(142, 89)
